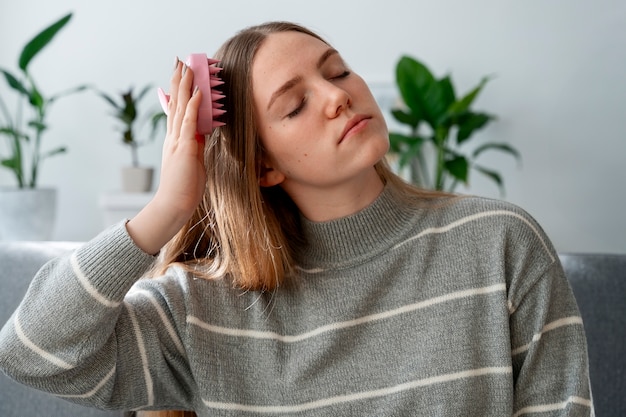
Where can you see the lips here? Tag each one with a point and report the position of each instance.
(353, 126)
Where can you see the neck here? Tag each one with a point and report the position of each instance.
(320, 204)
(353, 239)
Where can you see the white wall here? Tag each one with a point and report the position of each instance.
(559, 91)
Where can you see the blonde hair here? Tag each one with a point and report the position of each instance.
(241, 230)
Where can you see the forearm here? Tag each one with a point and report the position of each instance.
(183, 176)
(69, 316)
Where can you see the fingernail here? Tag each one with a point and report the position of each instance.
(184, 69)
(176, 61)
(195, 90)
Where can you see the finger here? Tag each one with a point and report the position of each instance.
(171, 105)
(183, 94)
(188, 130)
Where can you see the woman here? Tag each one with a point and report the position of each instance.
(298, 275)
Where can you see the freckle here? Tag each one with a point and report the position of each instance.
(306, 154)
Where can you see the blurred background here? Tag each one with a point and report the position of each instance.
(559, 89)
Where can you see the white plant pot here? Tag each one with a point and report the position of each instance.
(137, 179)
(27, 214)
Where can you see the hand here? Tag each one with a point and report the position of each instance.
(183, 176)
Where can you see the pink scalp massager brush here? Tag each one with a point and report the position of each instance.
(205, 78)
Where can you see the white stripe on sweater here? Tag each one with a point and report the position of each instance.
(339, 399)
(542, 408)
(142, 352)
(566, 321)
(95, 389)
(477, 216)
(39, 351)
(164, 320)
(256, 334)
(91, 290)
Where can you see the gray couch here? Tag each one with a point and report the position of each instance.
(599, 284)
(598, 281)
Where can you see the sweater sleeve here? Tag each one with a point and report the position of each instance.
(79, 334)
(549, 355)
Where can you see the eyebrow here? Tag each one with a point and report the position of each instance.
(297, 79)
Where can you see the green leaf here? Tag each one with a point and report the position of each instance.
(56, 151)
(493, 175)
(68, 92)
(14, 83)
(469, 123)
(442, 98)
(37, 125)
(411, 152)
(109, 99)
(407, 147)
(40, 40)
(406, 118)
(426, 97)
(14, 133)
(142, 93)
(127, 137)
(465, 102)
(36, 98)
(398, 142)
(497, 146)
(441, 135)
(413, 79)
(435, 104)
(458, 167)
(129, 112)
(157, 119)
(12, 163)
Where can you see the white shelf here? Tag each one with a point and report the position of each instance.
(117, 205)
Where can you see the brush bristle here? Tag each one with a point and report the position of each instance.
(215, 81)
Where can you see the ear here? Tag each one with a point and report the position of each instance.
(270, 176)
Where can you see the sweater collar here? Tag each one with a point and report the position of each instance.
(355, 238)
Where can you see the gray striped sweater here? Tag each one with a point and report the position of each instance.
(459, 309)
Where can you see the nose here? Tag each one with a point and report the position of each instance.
(337, 99)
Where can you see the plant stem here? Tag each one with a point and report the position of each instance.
(424, 170)
(36, 160)
(16, 148)
(440, 165)
(134, 156)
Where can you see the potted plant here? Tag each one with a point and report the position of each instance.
(439, 124)
(135, 178)
(27, 212)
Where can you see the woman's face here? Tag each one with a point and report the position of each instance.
(318, 121)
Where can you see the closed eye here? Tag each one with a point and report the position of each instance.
(342, 75)
(297, 110)
(300, 107)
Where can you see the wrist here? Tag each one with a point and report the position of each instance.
(155, 225)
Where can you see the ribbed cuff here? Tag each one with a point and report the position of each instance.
(112, 262)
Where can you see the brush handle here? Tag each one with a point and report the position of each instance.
(206, 79)
(202, 78)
